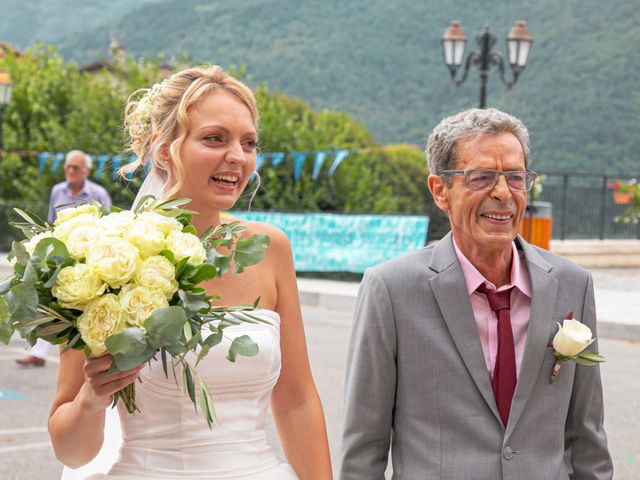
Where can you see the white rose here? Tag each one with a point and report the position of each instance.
(147, 237)
(62, 231)
(159, 273)
(117, 223)
(113, 259)
(81, 239)
(186, 245)
(101, 318)
(140, 302)
(572, 338)
(67, 214)
(30, 245)
(77, 286)
(161, 222)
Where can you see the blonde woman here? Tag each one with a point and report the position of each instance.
(198, 131)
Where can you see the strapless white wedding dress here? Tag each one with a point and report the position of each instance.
(168, 439)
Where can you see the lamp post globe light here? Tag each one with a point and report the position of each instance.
(5, 98)
(454, 41)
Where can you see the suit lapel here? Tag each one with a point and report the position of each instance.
(449, 289)
(544, 288)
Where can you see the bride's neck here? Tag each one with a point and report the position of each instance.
(203, 221)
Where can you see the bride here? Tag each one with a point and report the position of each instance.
(198, 131)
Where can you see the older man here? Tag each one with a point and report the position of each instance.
(76, 189)
(450, 357)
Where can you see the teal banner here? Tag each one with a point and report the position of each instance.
(334, 242)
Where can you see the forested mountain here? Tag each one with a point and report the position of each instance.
(381, 60)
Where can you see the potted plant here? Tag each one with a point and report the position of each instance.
(622, 194)
(630, 195)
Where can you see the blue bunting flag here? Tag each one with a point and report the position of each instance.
(338, 157)
(318, 160)
(298, 163)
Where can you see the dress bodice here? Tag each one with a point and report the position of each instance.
(169, 439)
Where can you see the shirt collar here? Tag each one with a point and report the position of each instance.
(84, 191)
(473, 278)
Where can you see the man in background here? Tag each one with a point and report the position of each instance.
(75, 190)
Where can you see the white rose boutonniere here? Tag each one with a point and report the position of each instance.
(570, 342)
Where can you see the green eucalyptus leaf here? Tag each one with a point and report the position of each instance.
(172, 204)
(176, 350)
(188, 380)
(222, 263)
(54, 276)
(194, 341)
(22, 300)
(51, 249)
(30, 274)
(206, 405)
(164, 326)
(204, 350)
(31, 217)
(207, 233)
(242, 345)
(6, 284)
(36, 322)
(249, 251)
(72, 343)
(52, 329)
(6, 327)
(122, 362)
(19, 252)
(187, 331)
(193, 303)
(129, 342)
(129, 349)
(584, 361)
(143, 203)
(214, 339)
(592, 356)
(163, 357)
(203, 273)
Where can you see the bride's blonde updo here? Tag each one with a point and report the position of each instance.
(159, 119)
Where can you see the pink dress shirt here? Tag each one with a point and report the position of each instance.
(486, 319)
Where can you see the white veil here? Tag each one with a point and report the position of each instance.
(152, 185)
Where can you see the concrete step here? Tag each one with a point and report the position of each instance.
(600, 253)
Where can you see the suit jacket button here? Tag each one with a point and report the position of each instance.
(507, 453)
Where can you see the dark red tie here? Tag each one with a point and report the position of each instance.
(504, 373)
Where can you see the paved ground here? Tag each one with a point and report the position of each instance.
(24, 444)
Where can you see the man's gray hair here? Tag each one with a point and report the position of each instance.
(87, 159)
(475, 122)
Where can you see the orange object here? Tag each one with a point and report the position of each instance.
(537, 225)
(622, 198)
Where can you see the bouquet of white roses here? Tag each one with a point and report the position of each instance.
(126, 281)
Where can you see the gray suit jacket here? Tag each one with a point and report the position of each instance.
(417, 379)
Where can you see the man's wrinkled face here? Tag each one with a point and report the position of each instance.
(75, 169)
(483, 220)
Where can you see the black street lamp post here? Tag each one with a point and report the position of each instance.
(519, 43)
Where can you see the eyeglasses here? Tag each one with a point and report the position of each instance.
(481, 180)
(73, 167)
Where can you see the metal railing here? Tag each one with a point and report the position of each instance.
(584, 208)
